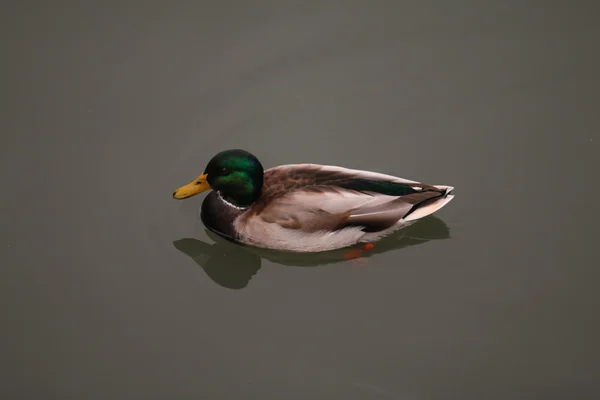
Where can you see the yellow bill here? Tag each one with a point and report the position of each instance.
(198, 185)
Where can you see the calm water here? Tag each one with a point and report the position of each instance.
(110, 289)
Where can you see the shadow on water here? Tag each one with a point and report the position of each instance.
(232, 266)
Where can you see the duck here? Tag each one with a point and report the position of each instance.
(306, 208)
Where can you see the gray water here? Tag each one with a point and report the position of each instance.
(110, 289)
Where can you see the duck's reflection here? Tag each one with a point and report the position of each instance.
(232, 266)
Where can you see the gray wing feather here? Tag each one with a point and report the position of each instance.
(379, 217)
(332, 208)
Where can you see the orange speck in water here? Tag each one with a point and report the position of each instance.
(353, 254)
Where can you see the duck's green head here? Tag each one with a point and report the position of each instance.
(236, 174)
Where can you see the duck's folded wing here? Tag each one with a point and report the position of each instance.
(331, 208)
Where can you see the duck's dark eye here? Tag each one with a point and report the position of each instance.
(224, 171)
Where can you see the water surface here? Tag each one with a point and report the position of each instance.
(112, 290)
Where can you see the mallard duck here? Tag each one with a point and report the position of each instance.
(306, 207)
